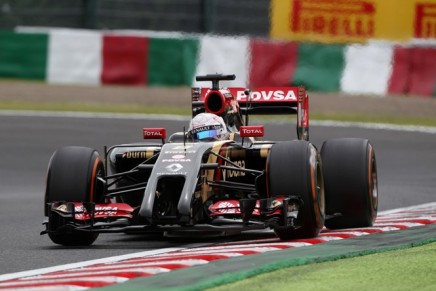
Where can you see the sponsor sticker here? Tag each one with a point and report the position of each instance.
(234, 173)
(334, 18)
(227, 207)
(174, 167)
(172, 173)
(176, 158)
(425, 20)
(268, 95)
(182, 147)
(154, 133)
(252, 131)
(179, 152)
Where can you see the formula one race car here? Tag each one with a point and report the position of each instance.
(193, 184)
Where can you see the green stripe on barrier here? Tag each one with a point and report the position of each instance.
(238, 268)
(172, 62)
(23, 55)
(319, 67)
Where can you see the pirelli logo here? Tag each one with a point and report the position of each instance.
(333, 18)
(425, 20)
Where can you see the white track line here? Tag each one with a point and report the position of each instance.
(426, 206)
(380, 126)
(86, 263)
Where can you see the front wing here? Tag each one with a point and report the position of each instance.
(224, 216)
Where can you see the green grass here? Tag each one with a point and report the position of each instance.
(406, 269)
(134, 109)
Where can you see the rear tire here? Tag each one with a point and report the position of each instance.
(294, 169)
(72, 176)
(350, 176)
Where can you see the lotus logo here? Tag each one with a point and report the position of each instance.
(174, 167)
(62, 208)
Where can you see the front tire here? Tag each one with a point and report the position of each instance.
(73, 176)
(351, 190)
(294, 169)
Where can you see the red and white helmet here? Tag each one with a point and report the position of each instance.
(208, 127)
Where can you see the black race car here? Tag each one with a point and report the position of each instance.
(180, 186)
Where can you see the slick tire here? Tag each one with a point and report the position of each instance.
(294, 169)
(350, 178)
(72, 176)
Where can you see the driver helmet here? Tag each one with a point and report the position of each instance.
(208, 127)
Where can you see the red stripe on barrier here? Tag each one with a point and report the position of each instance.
(400, 76)
(272, 63)
(414, 71)
(124, 60)
(423, 77)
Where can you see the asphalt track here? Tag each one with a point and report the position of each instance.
(406, 164)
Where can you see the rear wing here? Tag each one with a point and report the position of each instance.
(261, 101)
(268, 100)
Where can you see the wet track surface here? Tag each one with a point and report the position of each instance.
(406, 165)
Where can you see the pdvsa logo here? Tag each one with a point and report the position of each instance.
(268, 95)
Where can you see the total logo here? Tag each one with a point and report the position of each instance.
(152, 133)
(252, 131)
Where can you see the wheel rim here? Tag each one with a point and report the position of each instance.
(318, 187)
(373, 182)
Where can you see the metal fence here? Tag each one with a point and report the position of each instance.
(233, 17)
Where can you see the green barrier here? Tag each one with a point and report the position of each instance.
(172, 62)
(23, 56)
(319, 67)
